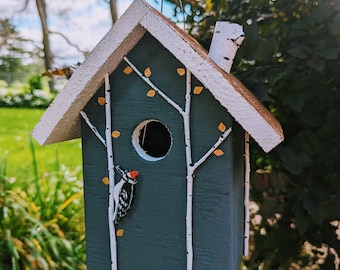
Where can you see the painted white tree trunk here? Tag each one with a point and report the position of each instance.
(246, 193)
(226, 40)
(190, 172)
(190, 166)
(110, 167)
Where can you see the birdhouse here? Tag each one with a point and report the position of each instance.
(163, 127)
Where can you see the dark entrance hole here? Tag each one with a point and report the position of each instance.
(152, 140)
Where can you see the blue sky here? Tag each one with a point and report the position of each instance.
(84, 22)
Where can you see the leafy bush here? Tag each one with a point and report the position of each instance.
(34, 99)
(35, 82)
(41, 220)
(290, 60)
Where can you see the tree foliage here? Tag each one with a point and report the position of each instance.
(290, 60)
(14, 51)
(10, 47)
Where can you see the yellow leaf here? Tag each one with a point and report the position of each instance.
(198, 90)
(151, 93)
(218, 152)
(120, 232)
(36, 244)
(208, 5)
(128, 70)
(222, 127)
(106, 181)
(101, 101)
(181, 71)
(115, 134)
(147, 72)
(33, 207)
(69, 201)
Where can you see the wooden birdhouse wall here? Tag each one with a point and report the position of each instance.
(154, 229)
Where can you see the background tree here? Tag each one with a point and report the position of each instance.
(46, 34)
(113, 10)
(9, 48)
(48, 56)
(14, 50)
(290, 60)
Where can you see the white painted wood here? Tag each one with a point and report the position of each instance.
(246, 194)
(92, 127)
(61, 120)
(110, 168)
(226, 40)
(190, 172)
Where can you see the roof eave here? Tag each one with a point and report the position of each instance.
(61, 120)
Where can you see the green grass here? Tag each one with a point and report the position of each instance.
(16, 126)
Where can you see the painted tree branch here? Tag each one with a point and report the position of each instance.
(154, 87)
(190, 166)
(92, 127)
(220, 140)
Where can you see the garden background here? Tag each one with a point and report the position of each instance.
(290, 59)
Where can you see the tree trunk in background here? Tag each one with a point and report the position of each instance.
(48, 56)
(113, 10)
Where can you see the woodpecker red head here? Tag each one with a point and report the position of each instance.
(133, 174)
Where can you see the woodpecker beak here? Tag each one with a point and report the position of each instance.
(133, 174)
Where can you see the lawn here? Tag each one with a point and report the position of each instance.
(16, 125)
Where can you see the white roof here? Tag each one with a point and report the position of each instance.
(61, 120)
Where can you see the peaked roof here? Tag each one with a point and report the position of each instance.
(61, 120)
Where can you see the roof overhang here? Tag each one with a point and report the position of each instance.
(61, 120)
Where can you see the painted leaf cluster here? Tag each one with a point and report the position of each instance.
(290, 61)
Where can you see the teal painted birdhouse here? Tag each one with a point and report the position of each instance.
(164, 131)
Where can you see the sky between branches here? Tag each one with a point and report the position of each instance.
(84, 23)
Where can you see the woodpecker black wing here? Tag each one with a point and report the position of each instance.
(126, 198)
(124, 192)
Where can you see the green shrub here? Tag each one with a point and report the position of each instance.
(35, 82)
(41, 220)
(34, 99)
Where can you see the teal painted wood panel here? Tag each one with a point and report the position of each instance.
(96, 199)
(154, 229)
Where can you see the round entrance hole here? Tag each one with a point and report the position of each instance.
(152, 140)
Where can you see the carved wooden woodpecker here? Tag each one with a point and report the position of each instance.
(124, 192)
